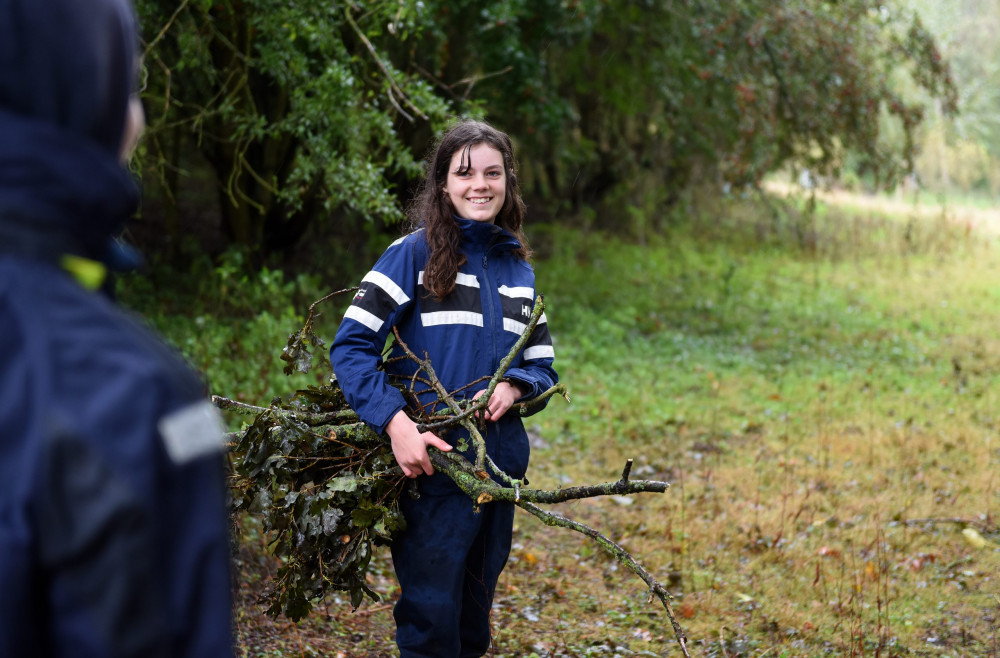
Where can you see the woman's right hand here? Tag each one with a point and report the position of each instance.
(410, 446)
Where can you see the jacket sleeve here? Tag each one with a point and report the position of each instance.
(536, 371)
(384, 295)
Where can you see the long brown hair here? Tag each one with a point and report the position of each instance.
(432, 210)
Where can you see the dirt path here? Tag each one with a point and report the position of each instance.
(979, 219)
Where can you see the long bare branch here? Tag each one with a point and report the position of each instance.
(306, 417)
(623, 556)
(483, 491)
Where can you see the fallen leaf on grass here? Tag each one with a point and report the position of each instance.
(642, 634)
(973, 537)
(917, 562)
(826, 551)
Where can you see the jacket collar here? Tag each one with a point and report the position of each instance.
(483, 236)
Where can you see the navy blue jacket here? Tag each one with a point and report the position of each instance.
(466, 334)
(112, 528)
(113, 535)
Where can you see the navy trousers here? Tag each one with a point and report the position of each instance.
(448, 561)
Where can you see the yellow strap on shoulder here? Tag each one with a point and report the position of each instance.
(89, 273)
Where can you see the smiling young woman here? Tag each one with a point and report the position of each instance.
(457, 288)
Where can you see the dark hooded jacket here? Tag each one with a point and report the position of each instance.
(112, 527)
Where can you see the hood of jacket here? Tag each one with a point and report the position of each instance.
(67, 69)
(69, 63)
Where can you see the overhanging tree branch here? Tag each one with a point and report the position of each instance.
(393, 87)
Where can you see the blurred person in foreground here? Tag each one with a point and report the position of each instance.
(113, 538)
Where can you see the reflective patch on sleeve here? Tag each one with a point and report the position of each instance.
(539, 352)
(388, 285)
(359, 314)
(191, 432)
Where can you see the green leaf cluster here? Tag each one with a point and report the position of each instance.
(291, 106)
(326, 494)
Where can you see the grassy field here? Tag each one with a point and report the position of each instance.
(827, 416)
(820, 392)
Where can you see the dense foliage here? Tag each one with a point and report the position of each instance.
(326, 492)
(309, 111)
(286, 103)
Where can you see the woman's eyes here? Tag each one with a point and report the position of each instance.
(468, 174)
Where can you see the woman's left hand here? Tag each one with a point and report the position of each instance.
(503, 398)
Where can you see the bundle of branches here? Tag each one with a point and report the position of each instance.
(327, 487)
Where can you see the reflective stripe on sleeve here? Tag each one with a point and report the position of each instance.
(539, 352)
(364, 317)
(388, 285)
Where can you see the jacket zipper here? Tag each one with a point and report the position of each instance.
(493, 335)
(489, 296)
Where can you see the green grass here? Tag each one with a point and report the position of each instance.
(809, 405)
(821, 393)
